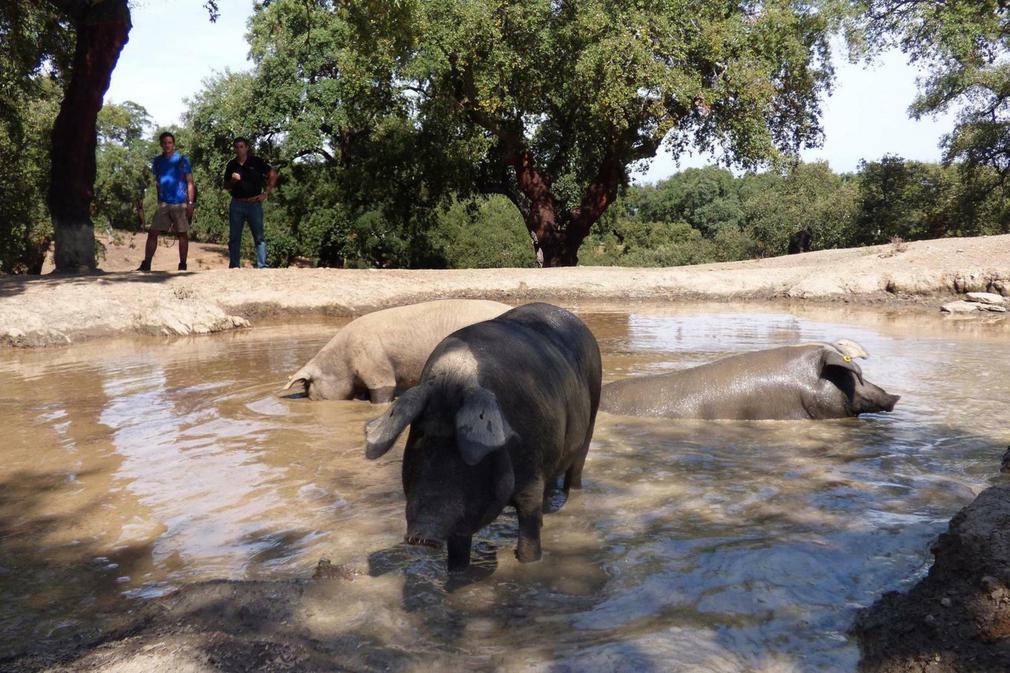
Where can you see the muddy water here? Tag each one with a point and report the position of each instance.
(131, 467)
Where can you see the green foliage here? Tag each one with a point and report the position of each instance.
(708, 215)
(25, 228)
(705, 198)
(36, 46)
(962, 47)
(38, 43)
(914, 200)
(419, 101)
(421, 133)
(631, 242)
(481, 234)
(123, 159)
(807, 197)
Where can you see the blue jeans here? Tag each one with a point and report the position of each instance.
(239, 213)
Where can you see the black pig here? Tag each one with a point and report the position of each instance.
(504, 408)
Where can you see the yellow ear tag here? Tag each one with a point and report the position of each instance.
(847, 358)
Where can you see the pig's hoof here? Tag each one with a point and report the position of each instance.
(528, 553)
(419, 541)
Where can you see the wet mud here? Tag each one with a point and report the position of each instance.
(957, 619)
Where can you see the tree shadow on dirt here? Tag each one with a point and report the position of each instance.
(11, 286)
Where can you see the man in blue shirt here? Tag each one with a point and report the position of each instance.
(176, 196)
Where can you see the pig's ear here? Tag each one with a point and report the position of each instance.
(480, 426)
(832, 358)
(381, 432)
(850, 348)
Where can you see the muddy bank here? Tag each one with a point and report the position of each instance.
(957, 619)
(57, 310)
(228, 627)
(293, 626)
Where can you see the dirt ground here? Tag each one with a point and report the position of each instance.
(124, 252)
(53, 309)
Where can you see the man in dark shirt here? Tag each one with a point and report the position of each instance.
(244, 177)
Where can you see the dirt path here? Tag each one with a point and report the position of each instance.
(51, 310)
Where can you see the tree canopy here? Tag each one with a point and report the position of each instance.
(37, 46)
(547, 103)
(962, 46)
(436, 132)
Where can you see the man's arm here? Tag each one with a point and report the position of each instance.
(229, 176)
(271, 183)
(190, 195)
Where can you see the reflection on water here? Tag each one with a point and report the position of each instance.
(133, 466)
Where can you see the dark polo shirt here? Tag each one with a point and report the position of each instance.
(254, 173)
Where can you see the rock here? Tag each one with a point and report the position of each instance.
(992, 308)
(1005, 461)
(990, 584)
(971, 570)
(971, 281)
(986, 298)
(325, 570)
(961, 307)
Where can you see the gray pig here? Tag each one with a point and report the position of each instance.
(383, 351)
(504, 408)
(811, 380)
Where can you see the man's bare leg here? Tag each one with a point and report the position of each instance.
(183, 249)
(149, 249)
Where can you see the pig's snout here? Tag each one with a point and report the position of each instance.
(422, 541)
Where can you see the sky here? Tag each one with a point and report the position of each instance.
(173, 48)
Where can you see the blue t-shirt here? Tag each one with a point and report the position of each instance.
(171, 175)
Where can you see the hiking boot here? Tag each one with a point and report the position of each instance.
(182, 266)
(145, 265)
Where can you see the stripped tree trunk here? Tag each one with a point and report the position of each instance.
(557, 234)
(103, 28)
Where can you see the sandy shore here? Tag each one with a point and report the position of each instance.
(50, 310)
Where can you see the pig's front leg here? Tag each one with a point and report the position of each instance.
(458, 547)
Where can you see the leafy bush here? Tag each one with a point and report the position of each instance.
(482, 233)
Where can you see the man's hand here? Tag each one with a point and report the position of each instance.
(261, 197)
(189, 212)
(235, 177)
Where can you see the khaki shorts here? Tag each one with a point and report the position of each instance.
(170, 217)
